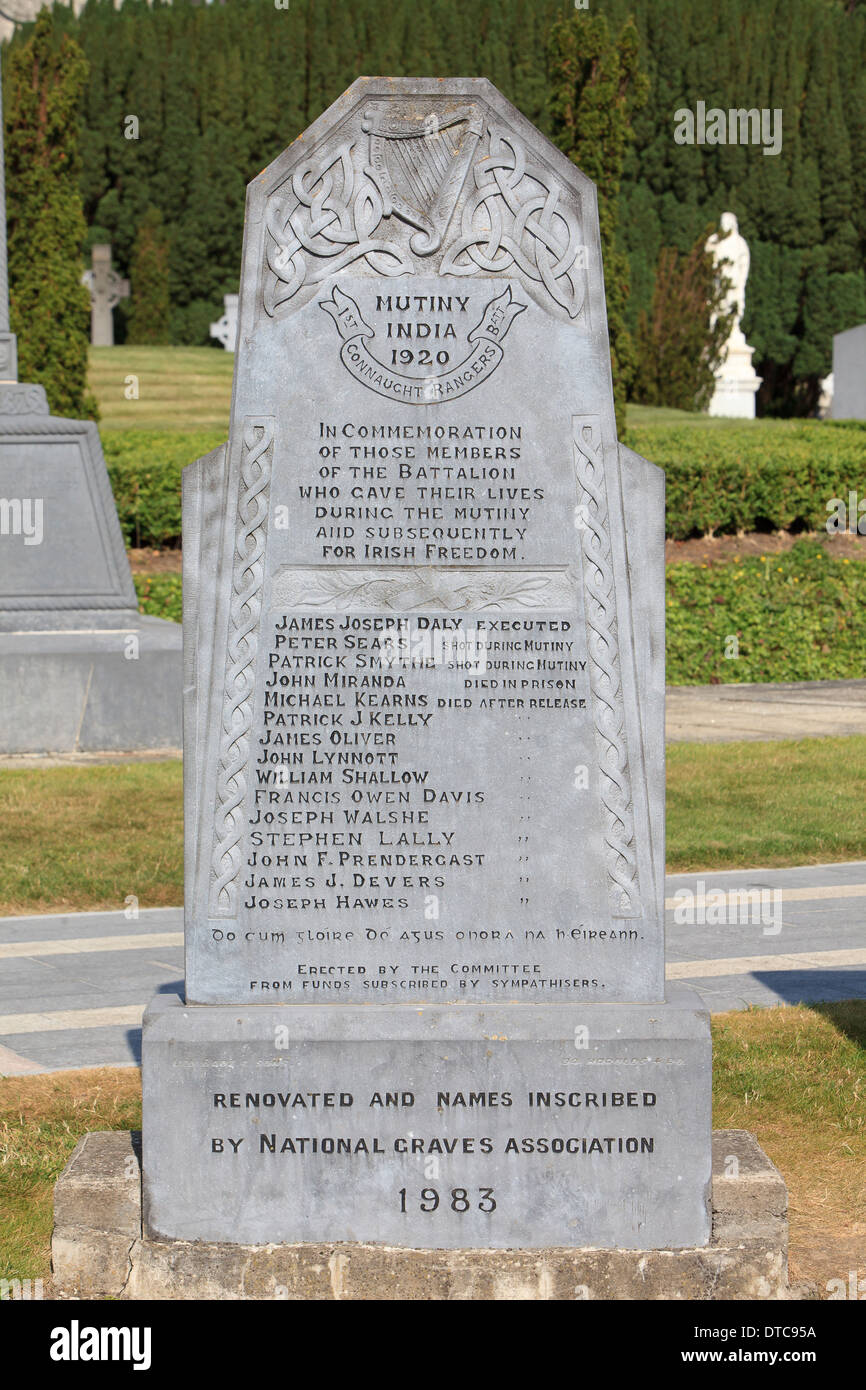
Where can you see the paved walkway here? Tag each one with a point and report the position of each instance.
(805, 709)
(73, 988)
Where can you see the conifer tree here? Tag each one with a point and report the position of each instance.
(681, 343)
(149, 313)
(596, 86)
(250, 77)
(49, 305)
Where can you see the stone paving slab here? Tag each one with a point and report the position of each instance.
(803, 709)
(822, 912)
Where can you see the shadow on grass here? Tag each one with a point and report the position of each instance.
(846, 1015)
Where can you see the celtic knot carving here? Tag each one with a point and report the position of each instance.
(350, 203)
(516, 217)
(23, 399)
(330, 216)
(244, 612)
(604, 676)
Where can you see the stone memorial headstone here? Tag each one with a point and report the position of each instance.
(107, 289)
(225, 330)
(736, 380)
(849, 375)
(424, 727)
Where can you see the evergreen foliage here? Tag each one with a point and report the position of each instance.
(595, 87)
(49, 307)
(220, 90)
(150, 313)
(681, 342)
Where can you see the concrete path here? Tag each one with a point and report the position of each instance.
(73, 988)
(806, 709)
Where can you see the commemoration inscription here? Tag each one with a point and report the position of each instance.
(424, 734)
(420, 781)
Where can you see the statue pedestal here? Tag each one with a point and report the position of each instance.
(737, 382)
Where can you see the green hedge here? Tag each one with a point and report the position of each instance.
(768, 475)
(800, 616)
(160, 595)
(145, 467)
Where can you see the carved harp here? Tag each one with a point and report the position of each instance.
(419, 165)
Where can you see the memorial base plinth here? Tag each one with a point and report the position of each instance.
(98, 1250)
(113, 688)
(455, 1126)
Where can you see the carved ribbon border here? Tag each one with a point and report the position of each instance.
(245, 610)
(605, 677)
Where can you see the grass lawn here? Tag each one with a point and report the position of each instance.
(644, 416)
(759, 805)
(178, 387)
(79, 838)
(792, 1076)
(87, 837)
(190, 388)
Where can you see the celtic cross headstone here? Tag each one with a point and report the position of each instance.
(107, 289)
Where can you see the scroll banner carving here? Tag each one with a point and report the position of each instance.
(481, 362)
(604, 670)
(417, 590)
(244, 614)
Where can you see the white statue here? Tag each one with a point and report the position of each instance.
(736, 381)
(731, 251)
(825, 400)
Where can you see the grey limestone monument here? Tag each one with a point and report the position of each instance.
(849, 375)
(80, 669)
(425, 1031)
(107, 289)
(424, 726)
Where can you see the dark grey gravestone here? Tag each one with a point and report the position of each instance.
(81, 669)
(849, 374)
(424, 722)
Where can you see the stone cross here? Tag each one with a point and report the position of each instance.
(106, 290)
(225, 330)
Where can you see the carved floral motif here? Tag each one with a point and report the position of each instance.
(418, 590)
